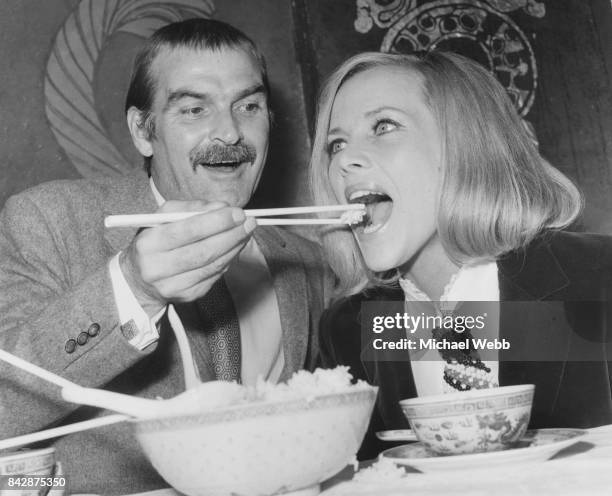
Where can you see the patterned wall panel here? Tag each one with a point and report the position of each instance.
(69, 81)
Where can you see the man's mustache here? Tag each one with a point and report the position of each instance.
(220, 154)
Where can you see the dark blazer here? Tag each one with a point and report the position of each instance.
(571, 275)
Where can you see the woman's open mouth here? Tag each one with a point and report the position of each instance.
(379, 206)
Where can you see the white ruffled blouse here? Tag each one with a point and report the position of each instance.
(477, 282)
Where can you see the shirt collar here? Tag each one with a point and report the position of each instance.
(473, 282)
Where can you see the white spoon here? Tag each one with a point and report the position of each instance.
(396, 435)
(199, 398)
(206, 396)
(196, 400)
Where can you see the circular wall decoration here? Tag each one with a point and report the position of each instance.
(477, 29)
(69, 94)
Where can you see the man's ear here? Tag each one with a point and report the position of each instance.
(141, 135)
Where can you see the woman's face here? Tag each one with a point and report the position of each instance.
(385, 151)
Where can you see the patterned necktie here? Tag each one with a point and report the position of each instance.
(220, 323)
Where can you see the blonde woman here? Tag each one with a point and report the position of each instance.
(460, 207)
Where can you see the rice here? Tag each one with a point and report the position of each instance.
(307, 385)
(352, 217)
(302, 385)
(384, 470)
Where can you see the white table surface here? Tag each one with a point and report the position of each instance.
(584, 468)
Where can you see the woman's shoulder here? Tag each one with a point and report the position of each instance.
(582, 262)
(581, 251)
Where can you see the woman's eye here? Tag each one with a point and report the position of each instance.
(384, 126)
(335, 146)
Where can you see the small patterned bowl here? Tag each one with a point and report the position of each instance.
(28, 463)
(258, 448)
(472, 421)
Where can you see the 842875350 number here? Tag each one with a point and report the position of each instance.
(21, 481)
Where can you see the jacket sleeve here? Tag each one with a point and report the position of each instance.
(340, 340)
(340, 337)
(67, 326)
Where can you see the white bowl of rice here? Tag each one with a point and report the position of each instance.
(270, 439)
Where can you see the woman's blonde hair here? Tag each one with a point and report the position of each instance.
(497, 193)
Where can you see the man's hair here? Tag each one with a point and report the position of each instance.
(497, 193)
(194, 34)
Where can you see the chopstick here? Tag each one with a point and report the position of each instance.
(36, 370)
(34, 437)
(62, 383)
(298, 222)
(149, 220)
(269, 212)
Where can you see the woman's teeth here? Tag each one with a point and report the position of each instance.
(378, 208)
(370, 228)
(364, 196)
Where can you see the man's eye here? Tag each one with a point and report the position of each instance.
(193, 111)
(384, 126)
(335, 146)
(249, 107)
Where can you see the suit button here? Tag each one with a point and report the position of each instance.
(82, 338)
(70, 346)
(94, 329)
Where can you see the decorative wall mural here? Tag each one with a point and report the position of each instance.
(478, 29)
(69, 94)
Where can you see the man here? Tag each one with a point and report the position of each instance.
(91, 304)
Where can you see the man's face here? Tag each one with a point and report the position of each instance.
(211, 125)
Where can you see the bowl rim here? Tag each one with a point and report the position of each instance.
(255, 409)
(13, 456)
(473, 394)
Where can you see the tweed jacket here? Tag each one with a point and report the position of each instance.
(570, 276)
(55, 285)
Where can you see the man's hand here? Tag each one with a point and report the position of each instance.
(180, 261)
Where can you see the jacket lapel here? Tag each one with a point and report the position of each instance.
(394, 377)
(533, 323)
(130, 195)
(531, 274)
(289, 280)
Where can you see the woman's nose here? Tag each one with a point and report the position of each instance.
(352, 161)
(226, 129)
